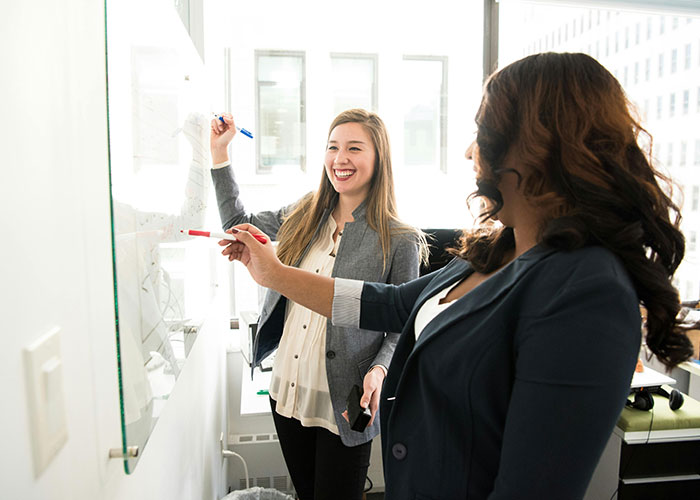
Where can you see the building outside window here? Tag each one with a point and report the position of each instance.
(521, 20)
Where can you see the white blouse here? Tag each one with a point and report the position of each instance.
(431, 308)
(347, 295)
(299, 383)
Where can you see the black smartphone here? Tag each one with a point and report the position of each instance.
(359, 417)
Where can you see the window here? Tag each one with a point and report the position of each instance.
(696, 161)
(637, 31)
(662, 25)
(674, 60)
(669, 155)
(648, 28)
(624, 77)
(281, 118)
(686, 65)
(636, 72)
(659, 106)
(684, 147)
(693, 241)
(647, 69)
(672, 105)
(686, 101)
(425, 111)
(661, 65)
(354, 81)
(695, 199)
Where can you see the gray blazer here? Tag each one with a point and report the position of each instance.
(350, 352)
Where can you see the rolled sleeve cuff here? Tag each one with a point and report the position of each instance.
(381, 367)
(346, 302)
(223, 164)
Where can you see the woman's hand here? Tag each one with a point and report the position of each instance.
(259, 258)
(308, 289)
(372, 387)
(221, 135)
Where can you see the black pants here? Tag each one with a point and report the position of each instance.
(320, 465)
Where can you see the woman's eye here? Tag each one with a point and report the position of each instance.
(355, 148)
(332, 148)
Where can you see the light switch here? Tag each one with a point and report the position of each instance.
(47, 410)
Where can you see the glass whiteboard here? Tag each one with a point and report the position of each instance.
(159, 171)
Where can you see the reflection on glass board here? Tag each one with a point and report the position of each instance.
(159, 136)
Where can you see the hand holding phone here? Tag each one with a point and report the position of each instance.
(359, 417)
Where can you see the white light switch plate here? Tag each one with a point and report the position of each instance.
(47, 410)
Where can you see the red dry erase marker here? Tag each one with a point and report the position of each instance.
(222, 236)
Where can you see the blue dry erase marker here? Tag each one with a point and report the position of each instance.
(243, 131)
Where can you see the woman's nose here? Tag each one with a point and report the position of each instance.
(340, 157)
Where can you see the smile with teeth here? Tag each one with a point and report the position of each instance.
(343, 174)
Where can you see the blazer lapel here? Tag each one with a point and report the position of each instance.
(485, 294)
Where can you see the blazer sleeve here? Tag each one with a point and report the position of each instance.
(574, 360)
(232, 211)
(405, 266)
(382, 307)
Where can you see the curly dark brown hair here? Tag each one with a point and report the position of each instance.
(568, 121)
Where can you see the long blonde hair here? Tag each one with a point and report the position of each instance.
(299, 227)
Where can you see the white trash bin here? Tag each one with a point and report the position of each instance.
(257, 493)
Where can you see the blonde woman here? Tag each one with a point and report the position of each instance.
(348, 228)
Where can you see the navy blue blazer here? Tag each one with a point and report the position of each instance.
(513, 391)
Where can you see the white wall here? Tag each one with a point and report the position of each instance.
(53, 137)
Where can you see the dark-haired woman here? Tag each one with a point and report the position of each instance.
(516, 358)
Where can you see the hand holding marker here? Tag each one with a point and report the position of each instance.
(243, 131)
(223, 236)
